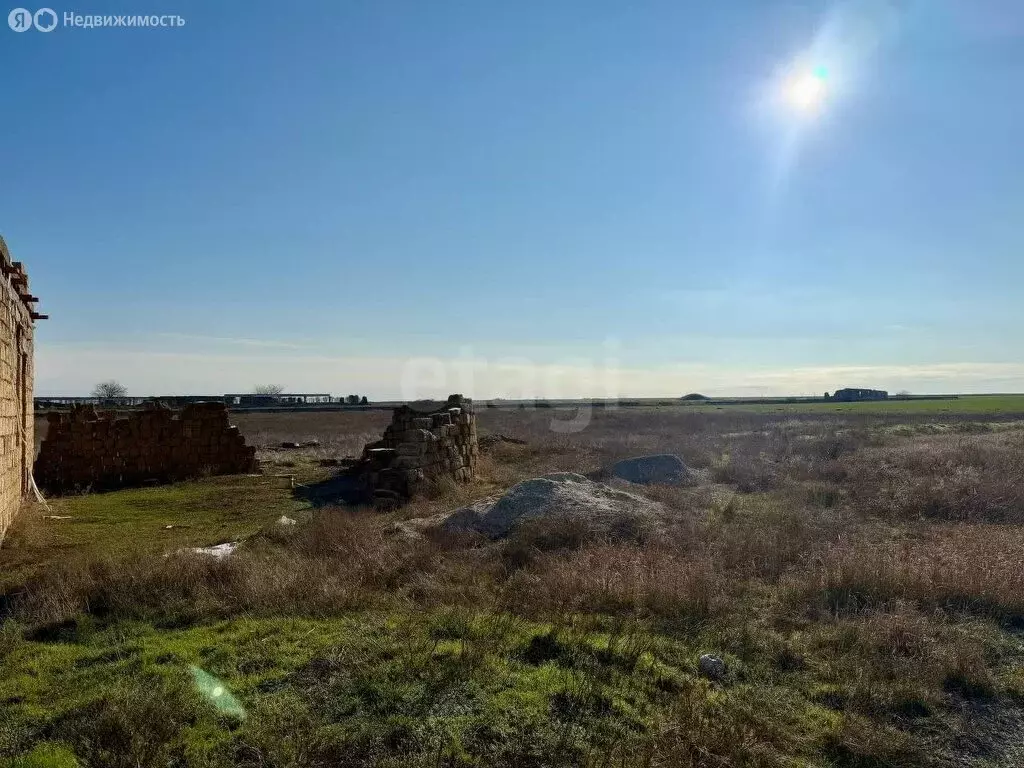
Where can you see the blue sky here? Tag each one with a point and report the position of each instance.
(555, 199)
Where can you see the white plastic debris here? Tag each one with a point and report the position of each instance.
(218, 551)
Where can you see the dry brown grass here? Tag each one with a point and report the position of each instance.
(808, 531)
(339, 562)
(974, 479)
(965, 567)
(618, 580)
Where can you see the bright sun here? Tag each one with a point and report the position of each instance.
(806, 90)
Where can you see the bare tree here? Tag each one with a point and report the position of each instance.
(110, 391)
(267, 389)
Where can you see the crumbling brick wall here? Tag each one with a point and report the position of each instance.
(16, 373)
(420, 446)
(86, 450)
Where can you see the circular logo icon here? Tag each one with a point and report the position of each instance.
(20, 20)
(45, 20)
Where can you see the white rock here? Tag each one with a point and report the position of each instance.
(285, 520)
(711, 667)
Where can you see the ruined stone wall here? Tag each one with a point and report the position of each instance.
(16, 373)
(420, 446)
(86, 450)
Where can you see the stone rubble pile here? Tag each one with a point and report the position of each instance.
(422, 446)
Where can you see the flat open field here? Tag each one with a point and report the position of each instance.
(359, 427)
(856, 567)
(964, 404)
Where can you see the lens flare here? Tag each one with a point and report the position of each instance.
(215, 692)
(805, 91)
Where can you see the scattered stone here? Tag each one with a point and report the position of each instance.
(285, 520)
(711, 667)
(604, 511)
(660, 469)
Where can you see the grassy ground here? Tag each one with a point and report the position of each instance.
(141, 521)
(858, 571)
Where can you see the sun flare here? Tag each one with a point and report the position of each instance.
(805, 91)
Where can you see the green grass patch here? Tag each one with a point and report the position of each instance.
(157, 519)
(458, 688)
(441, 688)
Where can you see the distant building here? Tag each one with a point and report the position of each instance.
(251, 400)
(855, 395)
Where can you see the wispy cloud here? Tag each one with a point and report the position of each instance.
(270, 343)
